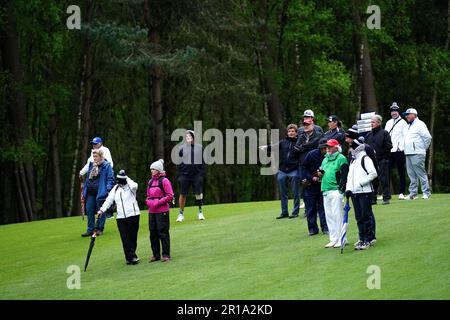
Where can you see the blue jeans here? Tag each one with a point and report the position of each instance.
(92, 206)
(314, 206)
(284, 192)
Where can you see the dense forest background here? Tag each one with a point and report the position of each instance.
(137, 70)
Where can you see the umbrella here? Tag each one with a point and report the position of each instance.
(82, 199)
(344, 225)
(91, 246)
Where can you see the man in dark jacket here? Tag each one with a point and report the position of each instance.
(288, 169)
(380, 140)
(312, 195)
(307, 140)
(191, 172)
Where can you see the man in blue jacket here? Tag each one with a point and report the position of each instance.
(312, 195)
(288, 169)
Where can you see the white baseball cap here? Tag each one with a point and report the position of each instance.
(410, 110)
(308, 113)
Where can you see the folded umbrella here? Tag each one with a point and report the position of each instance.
(91, 246)
(343, 234)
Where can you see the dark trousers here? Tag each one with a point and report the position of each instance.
(159, 234)
(362, 203)
(314, 206)
(128, 229)
(383, 180)
(92, 207)
(397, 159)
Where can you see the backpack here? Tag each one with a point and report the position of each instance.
(160, 186)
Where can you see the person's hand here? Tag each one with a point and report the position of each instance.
(316, 179)
(320, 173)
(99, 214)
(263, 148)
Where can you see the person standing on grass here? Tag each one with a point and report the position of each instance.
(191, 172)
(417, 141)
(97, 144)
(99, 183)
(397, 128)
(333, 172)
(334, 130)
(353, 140)
(380, 140)
(288, 170)
(159, 196)
(359, 187)
(124, 195)
(311, 182)
(307, 141)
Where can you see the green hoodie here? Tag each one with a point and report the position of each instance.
(332, 164)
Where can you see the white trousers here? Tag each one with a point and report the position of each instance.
(332, 202)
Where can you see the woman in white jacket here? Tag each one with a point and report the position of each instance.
(124, 195)
(359, 186)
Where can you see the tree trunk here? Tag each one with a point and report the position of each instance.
(434, 111)
(365, 86)
(83, 120)
(55, 166)
(155, 83)
(17, 113)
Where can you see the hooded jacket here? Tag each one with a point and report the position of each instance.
(156, 201)
(358, 180)
(125, 199)
(192, 164)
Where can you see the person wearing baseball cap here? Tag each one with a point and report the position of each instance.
(309, 115)
(397, 128)
(417, 142)
(333, 172)
(312, 195)
(334, 130)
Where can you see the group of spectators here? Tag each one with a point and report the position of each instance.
(324, 167)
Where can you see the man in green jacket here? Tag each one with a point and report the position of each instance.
(333, 172)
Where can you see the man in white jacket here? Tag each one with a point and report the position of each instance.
(397, 128)
(417, 141)
(359, 186)
(97, 143)
(124, 195)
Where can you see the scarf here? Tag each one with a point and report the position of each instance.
(95, 169)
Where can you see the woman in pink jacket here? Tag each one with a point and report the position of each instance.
(159, 195)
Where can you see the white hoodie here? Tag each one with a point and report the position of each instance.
(418, 138)
(358, 180)
(125, 199)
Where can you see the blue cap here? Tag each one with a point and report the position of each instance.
(96, 140)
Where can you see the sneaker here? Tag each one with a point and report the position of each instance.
(293, 216)
(165, 259)
(133, 261)
(330, 244)
(338, 244)
(200, 216)
(380, 198)
(302, 205)
(282, 216)
(153, 259)
(411, 197)
(357, 244)
(313, 233)
(372, 242)
(401, 196)
(385, 202)
(180, 218)
(426, 197)
(364, 246)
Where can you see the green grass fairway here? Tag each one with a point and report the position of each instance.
(239, 252)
